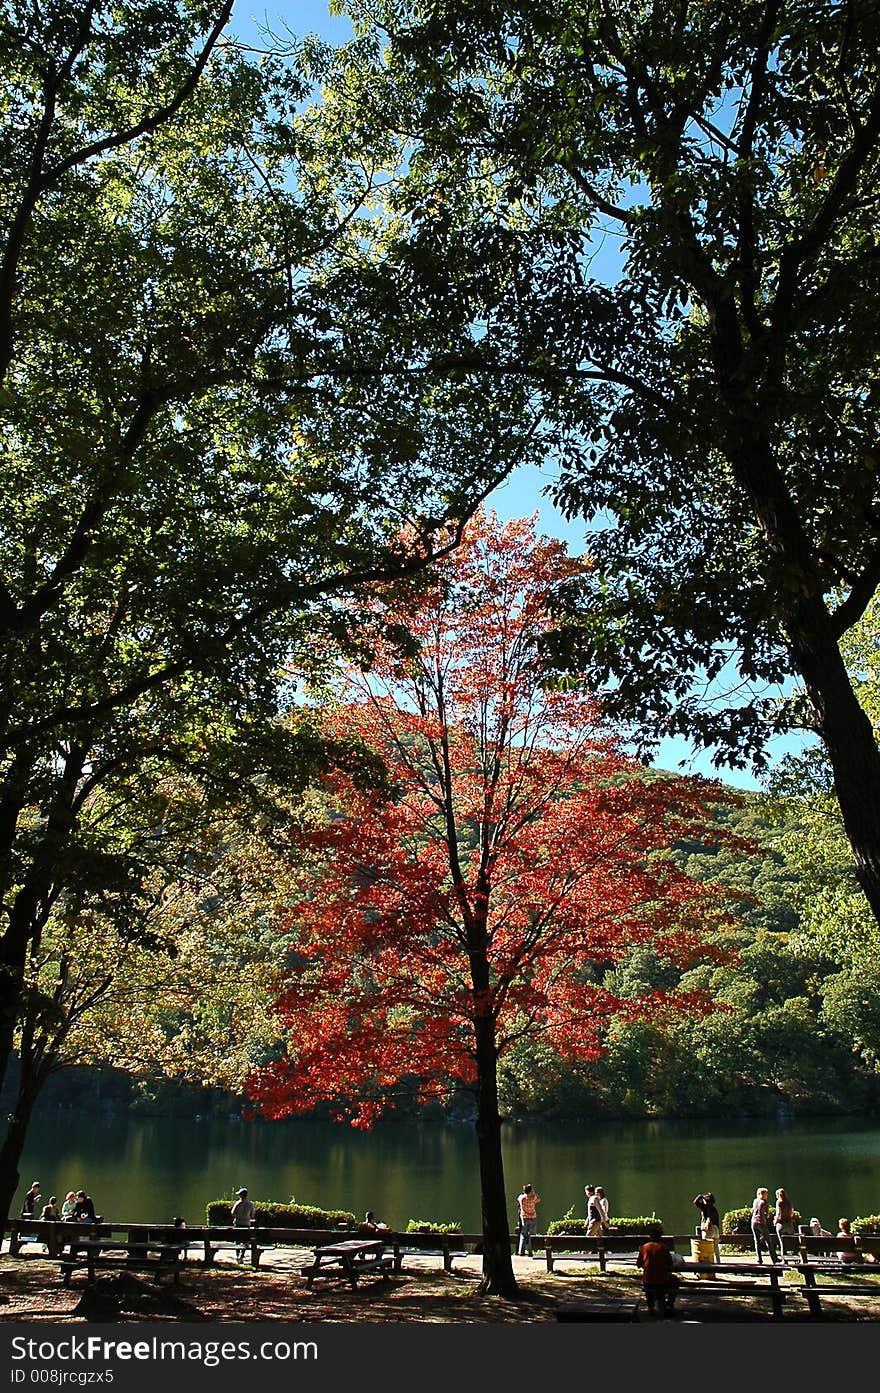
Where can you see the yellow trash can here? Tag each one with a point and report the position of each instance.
(703, 1250)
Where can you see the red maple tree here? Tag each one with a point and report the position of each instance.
(516, 859)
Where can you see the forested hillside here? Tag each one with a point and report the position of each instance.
(793, 1029)
(791, 1032)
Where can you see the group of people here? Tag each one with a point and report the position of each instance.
(527, 1201)
(77, 1206)
(782, 1223)
(658, 1261)
(598, 1210)
(764, 1229)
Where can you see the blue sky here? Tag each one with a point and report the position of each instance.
(523, 494)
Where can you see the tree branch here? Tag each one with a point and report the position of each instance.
(147, 124)
(861, 593)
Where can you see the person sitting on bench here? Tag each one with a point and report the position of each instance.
(658, 1278)
(844, 1231)
(370, 1224)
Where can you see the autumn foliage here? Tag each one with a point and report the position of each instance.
(520, 855)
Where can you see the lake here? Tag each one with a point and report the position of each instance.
(149, 1169)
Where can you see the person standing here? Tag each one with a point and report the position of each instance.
(243, 1213)
(603, 1205)
(710, 1223)
(760, 1222)
(783, 1220)
(595, 1215)
(30, 1201)
(178, 1223)
(527, 1203)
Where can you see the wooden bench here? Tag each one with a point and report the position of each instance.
(160, 1260)
(604, 1248)
(835, 1257)
(750, 1285)
(352, 1259)
(217, 1239)
(601, 1309)
(447, 1246)
(53, 1234)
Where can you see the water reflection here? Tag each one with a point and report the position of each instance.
(152, 1168)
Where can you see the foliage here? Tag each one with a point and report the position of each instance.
(517, 858)
(183, 240)
(510, 802)
(431, 1226)
(571, 1223)
(220, 424)
(282, 1216)
(714, 378)
(868, 1227)
(737, 1221)
(835, 916)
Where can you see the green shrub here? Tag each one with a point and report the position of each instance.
(868, 1227)
(576, 1223)
(431, 1226)
(738, 1221)
(283, 1216)
(636, 1226)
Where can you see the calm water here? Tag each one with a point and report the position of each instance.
(152, 1168)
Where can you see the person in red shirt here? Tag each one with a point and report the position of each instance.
(658, 1278)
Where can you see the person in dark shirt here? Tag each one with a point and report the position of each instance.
(658, 1278)
(710, 1225)
(595, 1215)
(84, 1209)
(30, 1201)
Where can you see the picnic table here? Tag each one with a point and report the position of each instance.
(160, 1259)
(351, 1259)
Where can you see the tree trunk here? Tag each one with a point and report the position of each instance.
(12, 963)
(498, 1278)
(33, 901)
(813, 645)
(13, 1143)
(849, 739)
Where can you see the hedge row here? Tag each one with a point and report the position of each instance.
(430, 1226)
(576, 1223)
(868, 1227)
(283, 1216)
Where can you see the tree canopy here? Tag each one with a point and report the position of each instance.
(715, 377)
(220, 416)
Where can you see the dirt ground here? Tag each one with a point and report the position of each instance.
(31, 1290)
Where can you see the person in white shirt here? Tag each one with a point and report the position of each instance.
(243, 1212)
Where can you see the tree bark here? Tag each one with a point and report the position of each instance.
(838, 716)
(848, 737)
(498, 1278)
(16, 1132)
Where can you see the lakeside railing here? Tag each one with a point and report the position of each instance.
(257, 1239)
